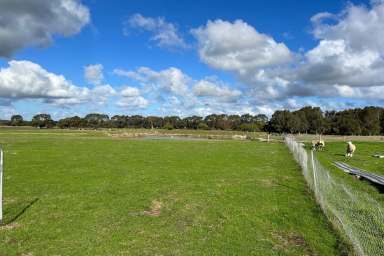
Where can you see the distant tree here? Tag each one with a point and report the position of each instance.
(168, 126)
(202, 126)
(382, 122)
(303, 123)
(192, 122)
(293, 123)
(261, 118)
(234, 122)
(253, 123)
(96, 120)
(71, 122)
(135, 121)
(118, 121)
(358, 121)
(16, 120)
(261, 121)
(173, 121)
(248, 127)
(312, 118)
(370, 120)
(211, 121)
(42, 121)
(280, 121)
(347, 123)
(223, 122)
(330, 122)
(246, 119)
(153, 122)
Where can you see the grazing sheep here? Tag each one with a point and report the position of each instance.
(318, 144)
(239, 137)
(350, 149)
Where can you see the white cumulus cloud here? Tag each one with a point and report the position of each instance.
(347, 62)
(164, 33)
(132, 99)
(130, 92)
(175, 92)
(94, 74)
(27, 80)
(34, 23)
(171, 80)
(206, 88)
(360, 26)
(237, 46)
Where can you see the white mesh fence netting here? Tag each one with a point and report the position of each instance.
(354, 212)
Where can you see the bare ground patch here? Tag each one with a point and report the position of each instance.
(268, 183)
(155, 209)
(292, 241)
(10, 226)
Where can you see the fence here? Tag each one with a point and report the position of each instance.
(353, 212)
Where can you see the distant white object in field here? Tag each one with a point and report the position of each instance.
(318, 144)
(239, 137)
(350, 149)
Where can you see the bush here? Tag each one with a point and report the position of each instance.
(203, 126)
(248, 127)
(168, 126)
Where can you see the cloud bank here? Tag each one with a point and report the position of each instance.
(35, 23)
(345, 67)
(347, 62)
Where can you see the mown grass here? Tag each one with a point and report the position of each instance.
(138, 132)
(92, 195)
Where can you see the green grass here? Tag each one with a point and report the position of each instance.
(126, 132)
(85, 194)
(362, 158)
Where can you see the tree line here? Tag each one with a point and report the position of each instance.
(244, 122)
(311, 120)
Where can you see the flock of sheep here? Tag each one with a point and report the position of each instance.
(320, 145)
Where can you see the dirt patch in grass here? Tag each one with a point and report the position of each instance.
(26, 254)
(11, 241)
(10, 226)
(292, 241)
(155, 209)
(267, 183)
(9, 200)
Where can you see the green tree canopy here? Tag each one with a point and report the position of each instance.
(42, 121)
(17, 120)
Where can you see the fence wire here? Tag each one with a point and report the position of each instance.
(354, 212)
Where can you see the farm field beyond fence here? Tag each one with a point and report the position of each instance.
(363, 159)
(80, 194)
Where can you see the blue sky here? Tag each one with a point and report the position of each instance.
(69, 57)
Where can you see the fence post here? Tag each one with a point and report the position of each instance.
(1, 186)
(314, 173)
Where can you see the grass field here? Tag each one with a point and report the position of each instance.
(83, 193)
(335, 151)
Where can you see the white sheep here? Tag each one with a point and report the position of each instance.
(350, 149)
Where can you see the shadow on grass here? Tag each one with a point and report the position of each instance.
(289, 187)
(378, 187)
(20, 213)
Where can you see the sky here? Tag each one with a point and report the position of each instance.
(72, 57)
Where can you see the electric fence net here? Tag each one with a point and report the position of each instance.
(354, 212)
